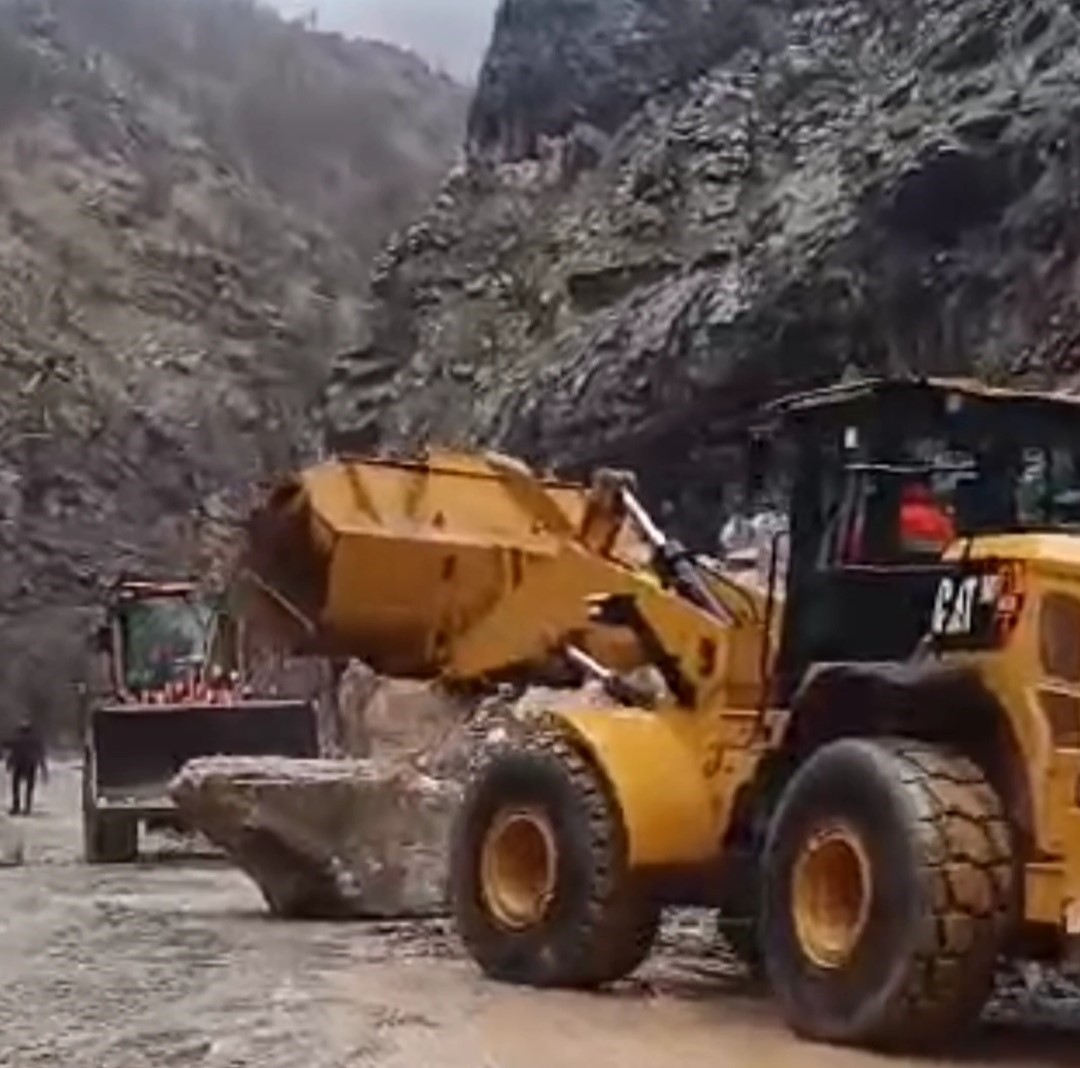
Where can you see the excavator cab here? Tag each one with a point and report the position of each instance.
(163, 635)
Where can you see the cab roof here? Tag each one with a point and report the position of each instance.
(928, 397)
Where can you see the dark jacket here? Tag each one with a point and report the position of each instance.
(25, 750)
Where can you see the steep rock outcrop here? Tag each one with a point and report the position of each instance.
(554, 64)
(190, 194)
(859, 185)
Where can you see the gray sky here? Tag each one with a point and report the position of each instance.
(451, 34)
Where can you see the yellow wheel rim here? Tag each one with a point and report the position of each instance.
(832, 887)
(518, 866)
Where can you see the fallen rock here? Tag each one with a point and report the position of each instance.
(1037, 994)
(362, 837)
(356, 689)
(504, 718)
(331, 839)
(12, 844)
(395, 720)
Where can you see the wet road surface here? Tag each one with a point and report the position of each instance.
(174, 963)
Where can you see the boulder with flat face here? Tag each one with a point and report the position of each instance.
(327, 838)
(395, 720)
(366, 836)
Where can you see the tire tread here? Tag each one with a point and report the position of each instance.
(964, 839)
(617, 927)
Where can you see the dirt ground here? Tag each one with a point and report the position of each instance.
(174, 963)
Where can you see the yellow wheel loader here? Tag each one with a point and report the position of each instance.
(869, 761)
(171, 686)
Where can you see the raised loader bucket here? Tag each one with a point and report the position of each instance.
(394, 561)
(138, 749)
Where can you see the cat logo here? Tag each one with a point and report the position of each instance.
(970, 604)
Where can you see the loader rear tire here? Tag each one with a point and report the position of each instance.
(889, 889)
(109, 838)
(540, 887)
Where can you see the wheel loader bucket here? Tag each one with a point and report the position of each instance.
(136, 750)
(396, 558)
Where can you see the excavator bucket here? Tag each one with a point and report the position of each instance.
(404, 559)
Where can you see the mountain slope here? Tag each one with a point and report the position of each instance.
(190, 193)
(790, 192)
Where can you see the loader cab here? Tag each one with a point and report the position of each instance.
(158, 633)
(890, 479)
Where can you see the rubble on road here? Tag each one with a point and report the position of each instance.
(502, 718)
(395, 720)
(420, 724)
(12, 846)
(331, 839)
(1032, 991)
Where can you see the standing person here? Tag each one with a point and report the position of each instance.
(25, 758)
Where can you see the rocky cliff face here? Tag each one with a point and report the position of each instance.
(674, 209)
(190, 195)
(555, 64)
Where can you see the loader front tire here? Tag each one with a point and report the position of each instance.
(540, 887)
(889, 888)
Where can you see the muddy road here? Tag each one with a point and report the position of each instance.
(174, 963)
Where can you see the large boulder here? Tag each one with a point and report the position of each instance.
(326, 838)
(395, 720)
(368, 836)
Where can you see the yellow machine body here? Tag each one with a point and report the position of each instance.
(469, 568)
(1035, 677)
